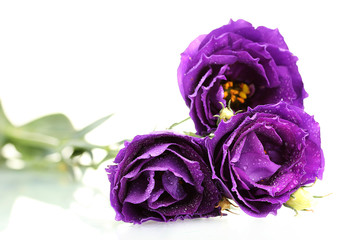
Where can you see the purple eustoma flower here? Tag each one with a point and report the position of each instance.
(162, 176)
(238, 63)
(261, 156)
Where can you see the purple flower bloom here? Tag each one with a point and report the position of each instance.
(162, 176)
(261, 156)
(239, 63)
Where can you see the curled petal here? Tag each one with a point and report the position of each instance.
(162, 176)
(256, 57)
(261, 156)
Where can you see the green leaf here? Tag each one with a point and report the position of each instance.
(4, 121)
(3, 139)
(77, 152)
(4, 125)
(32, 145)
(29, 153)
(31, 139)
(41, 137)
(48, 135)
(92, 126)
(81, 143)
(54, 125)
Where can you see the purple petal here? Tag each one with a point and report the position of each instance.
(162, 176)
(254, 162)
(261, 156)
(172, 185)
(258, 57)
(140, 188)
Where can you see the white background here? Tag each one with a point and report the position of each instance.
(88, 59)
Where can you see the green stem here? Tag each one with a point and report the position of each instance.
(178, 123)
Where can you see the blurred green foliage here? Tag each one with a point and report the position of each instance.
(51, 142)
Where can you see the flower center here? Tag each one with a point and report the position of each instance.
(237, 93)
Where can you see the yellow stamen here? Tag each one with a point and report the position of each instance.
(234, 92)
(237, 93)
(243, 95)
(246, 88)
(240, 100)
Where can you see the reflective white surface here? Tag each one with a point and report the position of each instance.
(43, 205)
(91, 58)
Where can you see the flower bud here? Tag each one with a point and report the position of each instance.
(226, 114)
(301, 200)
(225, 205)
